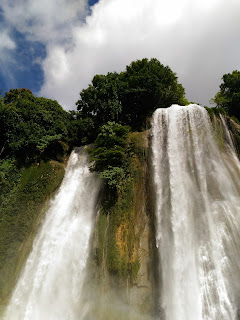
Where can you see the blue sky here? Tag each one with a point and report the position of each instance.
(55, 47)
(92, 2)
(21, 68)
(24, 70)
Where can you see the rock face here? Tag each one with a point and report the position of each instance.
(140, 293)
(120, 274)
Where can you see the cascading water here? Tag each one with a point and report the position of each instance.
(51, 283)
(198, 217)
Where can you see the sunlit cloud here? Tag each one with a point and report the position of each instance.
(6, 42)
(45, 21)
(198, 39)
(189, 36)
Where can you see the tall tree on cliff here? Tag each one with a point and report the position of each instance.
(131, 96)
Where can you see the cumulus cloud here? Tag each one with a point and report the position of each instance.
(6, 42)
(198, 39)
(34, 25)
(45, 21)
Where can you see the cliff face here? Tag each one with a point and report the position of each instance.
(24, 198)
(120, 275)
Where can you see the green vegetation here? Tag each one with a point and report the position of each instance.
(130, 97)
(108, 154)
(31, 126)
(227, 102)
(34, 128)
(228, 96)
(216, 111)
(118, 237)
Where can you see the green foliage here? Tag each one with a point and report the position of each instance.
(131, 96)
(228, 96)
(9, 175)
(16, 94)
(80, 130)
(148, 85)
(45, 141)
(112, 175)
(117, 232)
(100, 101)
(108, 153)
(29, 125)
(215, 111)
(235, 120)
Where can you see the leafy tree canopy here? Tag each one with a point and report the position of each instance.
(100, 101)
(108, 153)
(228, 97)
(109, 146)
(131, 96)
(148, 85)
(29, 124)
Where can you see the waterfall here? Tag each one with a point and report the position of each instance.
(197, 216)
(51, 283)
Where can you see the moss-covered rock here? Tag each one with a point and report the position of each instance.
(121, 256)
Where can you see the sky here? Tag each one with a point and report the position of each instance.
(55, 47)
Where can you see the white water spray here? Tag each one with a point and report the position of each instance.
(50, 286)
(198, 217)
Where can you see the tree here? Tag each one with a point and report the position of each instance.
(131, 96)
(15, 94)
(30, 125)
(228, 96)
(148, 85)
(109, 146)
(108, 154)
(100, 101)
(80, 129)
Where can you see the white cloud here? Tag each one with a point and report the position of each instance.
(198, 39)
(7, 45)
(6, 42)
(45, 20)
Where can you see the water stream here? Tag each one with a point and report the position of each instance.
(50, 286)
(198, 216)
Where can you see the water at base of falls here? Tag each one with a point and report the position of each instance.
(198, 217)
(50, 285)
